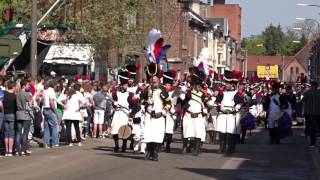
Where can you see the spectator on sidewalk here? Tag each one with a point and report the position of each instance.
(24, 116)
(50, 117)
(10, 108)
(100, 103)
(72, 115)
(311, 102)
(89, 101)
(1, 115)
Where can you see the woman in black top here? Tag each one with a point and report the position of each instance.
(10, 108)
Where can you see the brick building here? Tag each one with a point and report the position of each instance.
(233, 13)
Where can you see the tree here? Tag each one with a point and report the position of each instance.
(307, 28)
(274, 41)
(273, 38)
(254, 45)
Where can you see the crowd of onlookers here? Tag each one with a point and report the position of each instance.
(55, 111)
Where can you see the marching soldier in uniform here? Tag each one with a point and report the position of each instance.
(134, 106)
(121, 105)
(228, 125)
(169, 102)
(154, 129)
(194, 121)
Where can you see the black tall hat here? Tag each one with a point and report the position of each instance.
(168, 77)
(228, 76)
(152, 70)
(132, 71)
(197, 76)
(123, 76)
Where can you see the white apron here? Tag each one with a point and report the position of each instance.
(171, 116)
(194, 127)
(154, 129)
(228, 123)
(120, 117)
(170, 123)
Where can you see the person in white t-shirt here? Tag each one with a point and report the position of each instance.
(50, 117)
(72, 115)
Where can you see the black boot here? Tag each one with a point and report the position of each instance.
(222, 143)
(116, 143)
(169, 140)
(184, 147)
(211, 135)
(131, 142)
(124, 145)
(148, 154)
(155, 152)
(231, 143)
(196, 147)
(191, 146)
(243, 135)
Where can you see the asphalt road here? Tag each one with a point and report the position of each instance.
(254, 160)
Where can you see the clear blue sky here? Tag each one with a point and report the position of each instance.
(257, 14)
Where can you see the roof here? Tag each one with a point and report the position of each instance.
(68, 52)
(302, 56)
(254, 61)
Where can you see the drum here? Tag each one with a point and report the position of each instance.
(124, 132)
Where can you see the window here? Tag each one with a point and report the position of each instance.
(132, 21)
(291, 71)
(219, 58)
(297, 71)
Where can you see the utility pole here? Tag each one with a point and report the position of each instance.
(33, 54)
(185, 7)
(161, 16)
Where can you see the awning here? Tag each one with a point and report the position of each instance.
(174, 60)
(66, 61)
(197, 17)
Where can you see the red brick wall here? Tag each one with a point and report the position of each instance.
(230, 11)
(294, 64)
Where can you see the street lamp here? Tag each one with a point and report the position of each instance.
(303, 4)
(297, 28)
(310, 19)
(297, 42)
(309, 61)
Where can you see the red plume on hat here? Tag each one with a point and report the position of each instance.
(161, 73)
(211, 72)
(234, 74)
(216, 75)
(138, 66)
(174, 74)
(221, 76)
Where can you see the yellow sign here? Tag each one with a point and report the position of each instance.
(220, 49)
(268, 72)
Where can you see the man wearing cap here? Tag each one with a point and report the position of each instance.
(169, 102)
(228, 123)
(134, 106)
(121, 105)
(154, 129)
(194, 118)
(278, 105)
(311, 99)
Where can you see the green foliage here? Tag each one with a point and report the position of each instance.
(274, 41)
(254, 45)
(273, 38)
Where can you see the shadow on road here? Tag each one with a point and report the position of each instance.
(257, 159)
